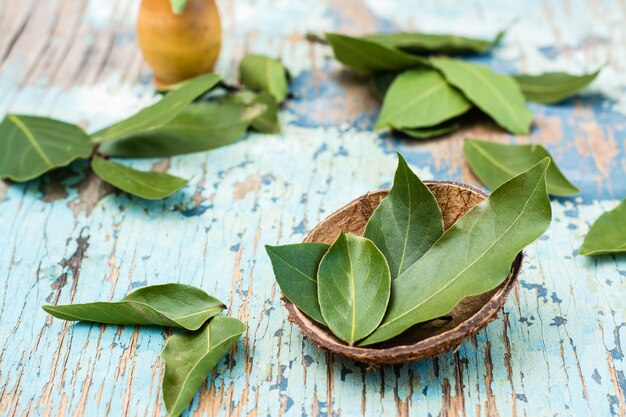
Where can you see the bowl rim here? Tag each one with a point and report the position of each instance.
(429, 347)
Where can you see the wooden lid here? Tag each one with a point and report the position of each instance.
(426, 339)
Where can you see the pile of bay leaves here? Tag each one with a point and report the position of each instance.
(189, 356)
(197, 115)
(426, 92)
(405, 269)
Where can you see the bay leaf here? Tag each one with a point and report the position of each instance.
(178, 6)
(266, 122)
(366, 56)
(553, 87)
(498, 95)
(430, 132)
(431, 43)
(473, 256)
(148, 185)
(295, 267)
(244, 97)
(199, 127)
(420, 98)
(158, 114)
(353, 287)
(262, 73)
(33, 145)
(607, 234)
(190, 357)
(407, 222)
(171, 305)
(495, 163)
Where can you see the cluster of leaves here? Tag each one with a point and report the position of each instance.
(406, 269)
(424, 93)
(197, 115)
(190, 355)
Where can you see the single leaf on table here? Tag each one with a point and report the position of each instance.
(200, 127)
(498, 95)
(262, 73)
(190, 357)
(178, 6)
(420, 98)
(407, 222)
(473, 256)
(553, 87)
(607, 234)
(33, 145)
(366, 57)
(495, 163)
(353, 287)
(148, 185)
(171, 305)
(430, 43)
(158, 114)
(430, 132)
(295, 267)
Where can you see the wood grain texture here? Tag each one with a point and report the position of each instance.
(557, 347)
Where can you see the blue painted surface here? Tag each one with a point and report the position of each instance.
(556, 348)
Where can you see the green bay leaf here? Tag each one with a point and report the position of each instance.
(33, 145)
(178, 6)
(267, 121)
(495, 163)
(430, 132)
(420, 98)
(171, 305)
(607, 234)
(158, 114)
(407, 222)
(199, 127)
(498, 95)
(431, 43)
(190, 357)
(148, 185)
(262, 73)
(473, 256)
(553, 87)
(366, 56)
(295, 267)
(353, 284)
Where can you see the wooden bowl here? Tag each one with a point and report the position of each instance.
(423, 340)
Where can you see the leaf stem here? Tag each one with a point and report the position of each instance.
(316, 38)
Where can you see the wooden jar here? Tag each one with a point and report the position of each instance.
(179, 46)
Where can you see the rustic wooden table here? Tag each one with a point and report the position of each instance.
(556, 348)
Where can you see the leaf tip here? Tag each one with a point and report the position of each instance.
(400, 156)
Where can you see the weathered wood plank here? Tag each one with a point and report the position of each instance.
(556, 349)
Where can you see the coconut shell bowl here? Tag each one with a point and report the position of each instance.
(423, 340)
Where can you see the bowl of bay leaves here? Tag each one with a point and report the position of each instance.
(408, 273)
